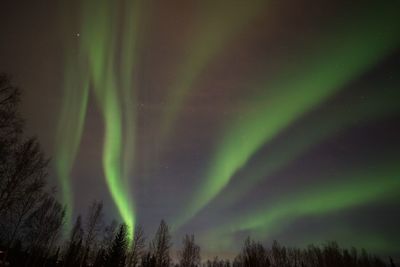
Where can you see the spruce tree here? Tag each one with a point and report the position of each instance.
(117, 251)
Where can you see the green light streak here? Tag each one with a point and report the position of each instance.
(327, 67)
(111, 155)
(72, 115)
(217, 26)
(312, 132)
(129, 47)
(99, 42)
(326, 199)
(69, 130)
(360, 188)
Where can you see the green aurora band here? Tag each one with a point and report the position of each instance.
(128, 53)
(216, 26)
(327, 67)
(312, 132)
(360, 187)
(69, 131)
(99, 39)
(96, 62)
(71, 118)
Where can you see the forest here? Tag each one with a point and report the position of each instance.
(32, 221)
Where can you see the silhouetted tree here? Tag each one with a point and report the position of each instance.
(53, 259)
(29, 216)
(73, 254)
(148, 260)
(13, 219)
(190, 254)
(100, 259)
(22, 184)
(216, 262)
(332, 255)
(294, 255)
(392, 263)
(117, 252)
(10, 122)
(279, 255)
(43, 228)
(22, 167)
(161, 245)
(136, 251)
(93, 225)
(253, 255)
(108, 235)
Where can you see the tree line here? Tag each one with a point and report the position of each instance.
(32, 219)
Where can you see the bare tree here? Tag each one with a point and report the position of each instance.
(77, 231)
(73, 252)
(13, 220)
(253, 255)
(279, 255)
(216, 262)
(27, 167)
(136, 250)
(10, 122)
(43, 227)
(22, 164)
(93, 225)
(27, 212)
(160, 246)
(108, 234)
(190, 254)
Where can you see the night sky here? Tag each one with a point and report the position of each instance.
(274, 119)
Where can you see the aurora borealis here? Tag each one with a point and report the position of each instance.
(278, 120)
(328, 72)
(113, 93)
